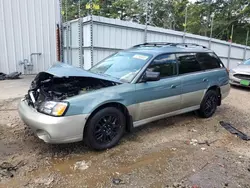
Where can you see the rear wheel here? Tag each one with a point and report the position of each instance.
(105, 128)
(209, 104)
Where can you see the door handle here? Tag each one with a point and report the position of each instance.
(205, 79)
(173, 86)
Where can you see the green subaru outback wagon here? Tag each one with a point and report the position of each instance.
(133, 87)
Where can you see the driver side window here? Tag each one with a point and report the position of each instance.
(165, 65)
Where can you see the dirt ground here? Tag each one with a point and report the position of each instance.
(166, 153)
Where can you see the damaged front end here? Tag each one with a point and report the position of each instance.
(60, 82)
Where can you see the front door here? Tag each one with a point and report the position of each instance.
(159, 97)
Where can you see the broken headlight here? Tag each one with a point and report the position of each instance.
(53, 108)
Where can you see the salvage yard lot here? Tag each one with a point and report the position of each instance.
(163, 153)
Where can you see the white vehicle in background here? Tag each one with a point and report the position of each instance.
(241, 74)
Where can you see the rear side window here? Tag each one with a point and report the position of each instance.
(188, 63)
(208, 61)
(164, 64)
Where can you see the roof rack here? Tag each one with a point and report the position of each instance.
(161, 44)
(153, 44)
(187, 45)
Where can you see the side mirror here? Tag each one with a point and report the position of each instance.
(239, 63)
(151, 76)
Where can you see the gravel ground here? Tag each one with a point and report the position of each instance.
(166, 153)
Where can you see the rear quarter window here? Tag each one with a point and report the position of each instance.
(208, 61)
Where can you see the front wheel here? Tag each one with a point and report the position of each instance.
(209, 104)
(105, 128)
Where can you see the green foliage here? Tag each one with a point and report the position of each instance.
(171, 14)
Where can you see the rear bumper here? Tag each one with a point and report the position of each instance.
(51, 129)
(225, 91)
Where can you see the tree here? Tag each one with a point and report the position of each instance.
(171, 14)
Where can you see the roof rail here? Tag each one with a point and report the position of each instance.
(187, 45)
(169, 44)
(153, 44)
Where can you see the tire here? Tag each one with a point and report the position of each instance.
(209, 104)
(105, 128)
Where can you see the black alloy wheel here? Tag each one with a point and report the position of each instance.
(209, 104)
(105, 128)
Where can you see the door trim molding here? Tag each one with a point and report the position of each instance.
(155, 118)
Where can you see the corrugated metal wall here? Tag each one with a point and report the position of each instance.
(26, 27)
(111, 35)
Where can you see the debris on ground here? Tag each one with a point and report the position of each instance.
(179, 185)
(11, 125)
(235, 131)
(11, 76)
(207, 143)
(2, 76)
(192, 130)
(195, 186)
(193, 142)
(6, 173)
(117, 181)
(221, 165)
(81, 165)
(46, 180)
(7, 169)
(203, 149)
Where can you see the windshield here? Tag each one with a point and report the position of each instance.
(123, 65)
(247, 62)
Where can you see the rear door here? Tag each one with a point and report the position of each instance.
(193, 80)
(198, 71)
(163, 96)
(215, 71)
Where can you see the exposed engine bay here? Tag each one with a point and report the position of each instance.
(47, 87)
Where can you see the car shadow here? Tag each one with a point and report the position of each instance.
(65, 149)
(242, 88)
(61, 150)
(160, 124)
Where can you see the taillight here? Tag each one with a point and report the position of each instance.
(227, 71)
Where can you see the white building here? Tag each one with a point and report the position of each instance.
(28, 35)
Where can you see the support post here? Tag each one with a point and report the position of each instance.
(245, 50)
(146, 23)
(61, 33)
(91, 32)
(80, 30)
(67, 41)
(66, 9)
(211, 32)
(230, 46)
(185, 26)
(79, 8)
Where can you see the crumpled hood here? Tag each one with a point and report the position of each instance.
(65, 70)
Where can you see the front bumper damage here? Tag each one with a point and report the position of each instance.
(51, 129)
(60, 82)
